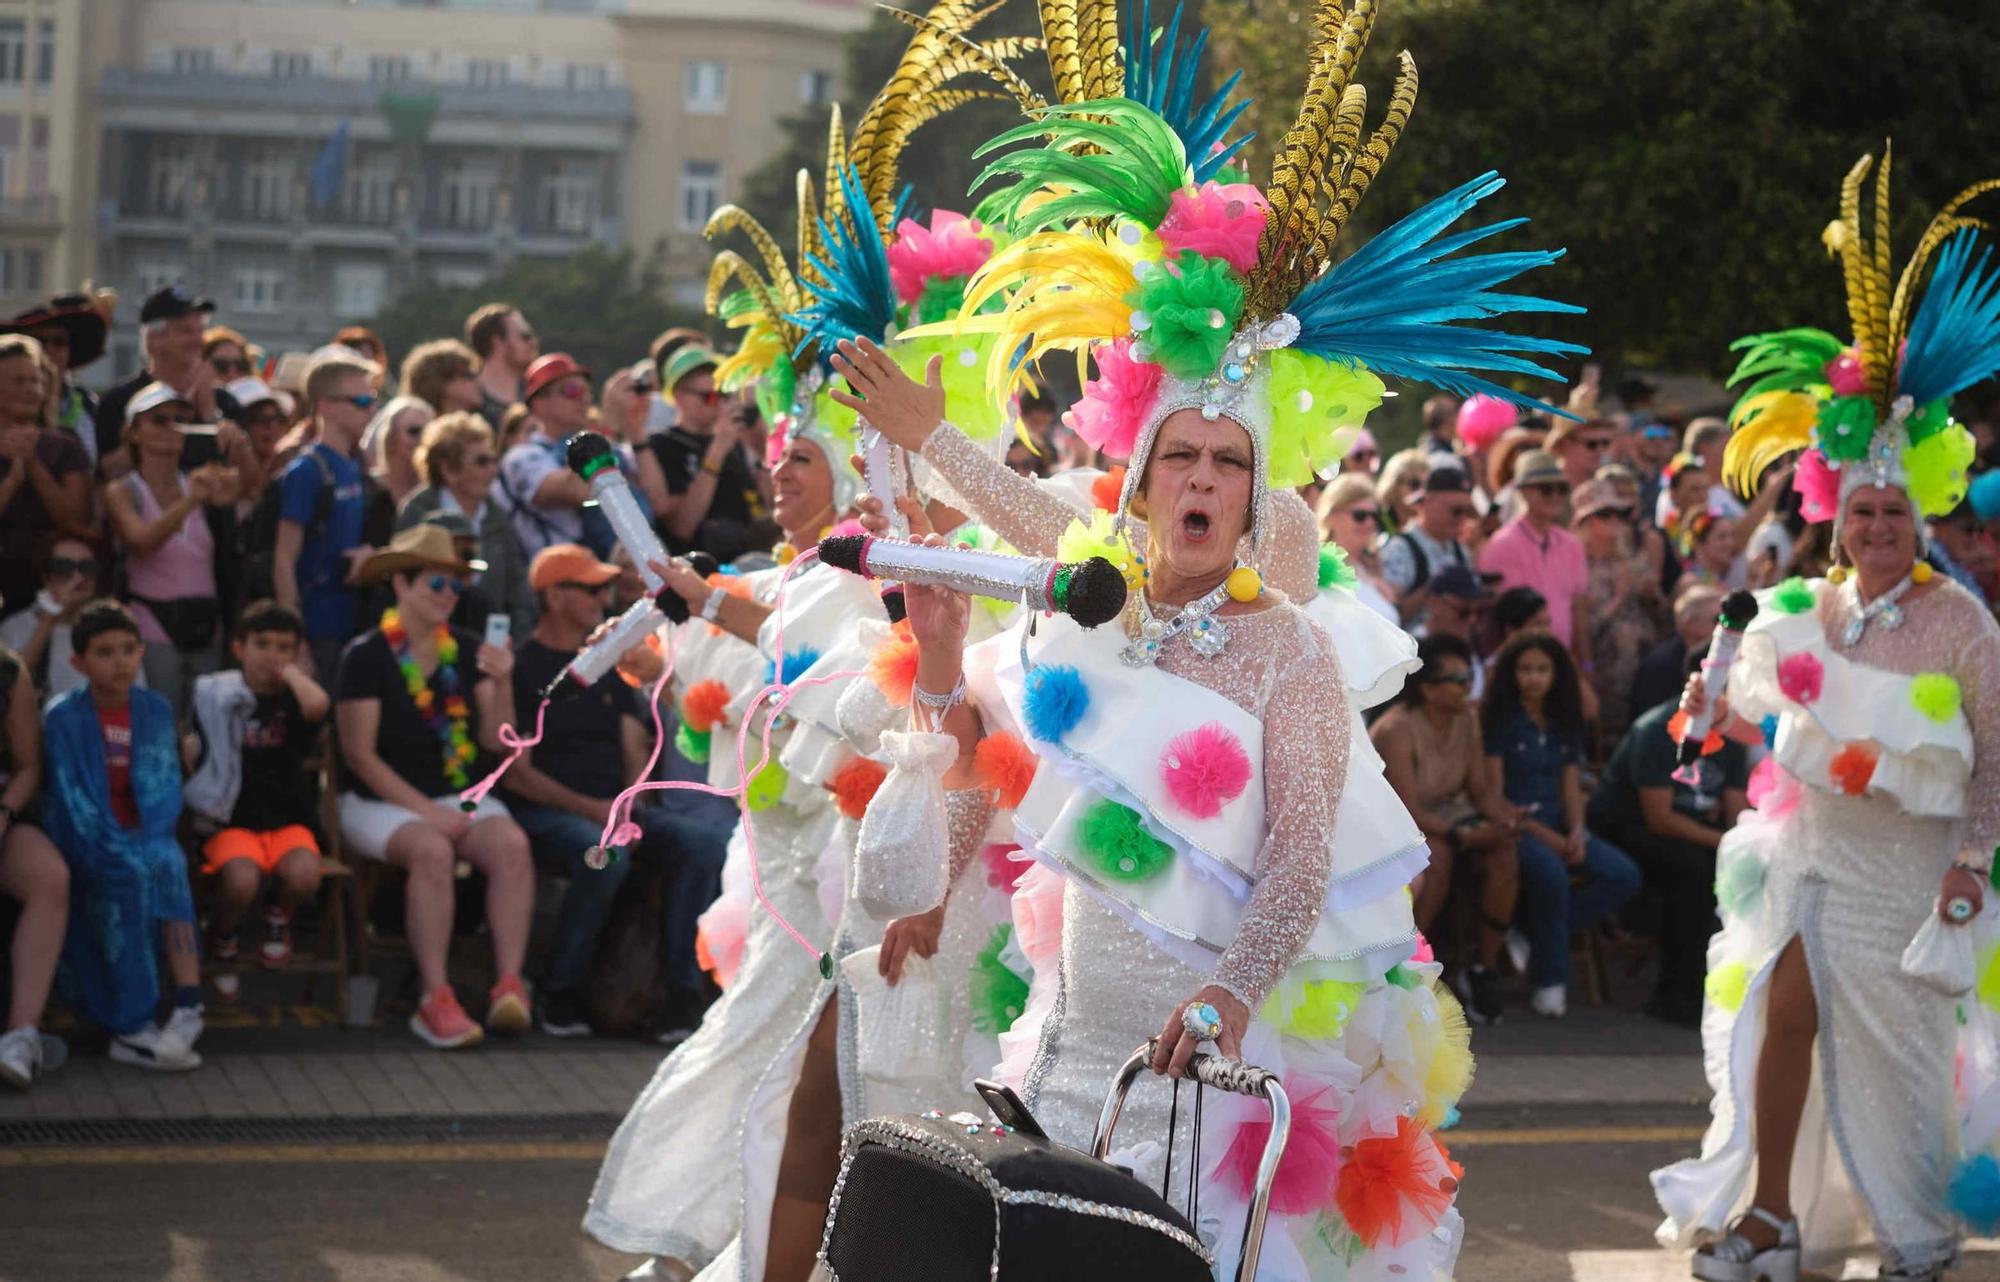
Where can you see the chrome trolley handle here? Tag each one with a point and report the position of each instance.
(1224, 1075)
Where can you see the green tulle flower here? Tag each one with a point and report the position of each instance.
(1117, 846)
(1928, 421)
(962, 369)
(1846, 425)
(998, 995)
(1794, 596)
(1334, 571)
(1739, 882)
(692, 744)
(1936, 695)
(1321, 1011)
(1317, 409)
(1938, 468)
(940, 300)
(1184, 315)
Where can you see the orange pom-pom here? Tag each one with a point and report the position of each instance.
(1006, 765)
(1104, 491)
(734, 586)
(705, 706)
(1393, 1189)
(1852, 767)
(854, 786)
(893, 666)
(1677, 730)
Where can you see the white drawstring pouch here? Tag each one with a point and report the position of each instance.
(901, 858)
(905, 1050)
(1941, 955)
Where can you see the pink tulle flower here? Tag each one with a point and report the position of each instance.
(1772, 790)
(1216, 220)
(1310, 1168)
(1116, 402)
(1205, 769)
(1818, 486)
(1801, 677)
(775, 442)
(1482, 418)
(952, 246)
(1423, 951)
(1845, 374)
(1038, 914)
(1003, 871)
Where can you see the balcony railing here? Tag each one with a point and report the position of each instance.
(215, 89)
(29, 210)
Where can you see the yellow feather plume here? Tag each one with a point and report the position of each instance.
(1844, 238)
(730, 265)
(1766, 427)
(761, 348)
(776, 270)
(1878, 360)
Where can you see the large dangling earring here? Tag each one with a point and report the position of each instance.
(1245, 584)
(1836, 574)
(1921, 572)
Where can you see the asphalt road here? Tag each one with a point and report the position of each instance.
(1547, 1198)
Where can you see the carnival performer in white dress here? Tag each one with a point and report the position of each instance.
(1878, 690)
(1233, 860)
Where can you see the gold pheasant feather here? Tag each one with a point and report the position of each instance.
(1843, 237)
(732, 266)
(1060, 37)
(1103, 67)
(777, 272)
(1877, 360)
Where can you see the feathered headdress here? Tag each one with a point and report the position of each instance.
(1192, 289)
(1876, 412)
(861, 264)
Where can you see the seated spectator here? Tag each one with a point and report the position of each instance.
(161, 520)
(40, 635)
(544, 496)
(324, 503)
(1658, 678)
(1430, 745)
(111, 803)
(714, 493)
(1350, 517)
(32, 874)
(252, 731)
(1713, 552)
(1428, 539)
(71, 329)
(1399, 486)
(389, 444)
(459, 462)
(592, 746)
(1460, 600)
(1672, 828)
(417, 700)
(1534, 751)
(445, 376)
(1534, 550)
(44, 472)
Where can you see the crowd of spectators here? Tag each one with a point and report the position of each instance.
(230, 567)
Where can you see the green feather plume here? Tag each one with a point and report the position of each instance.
(1112, 158)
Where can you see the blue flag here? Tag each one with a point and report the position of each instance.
(329, 168)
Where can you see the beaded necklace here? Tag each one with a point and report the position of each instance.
(450, 722)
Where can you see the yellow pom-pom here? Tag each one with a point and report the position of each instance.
(1921, 572)
(1988, 987)
(1728, 984)
(1936, 695)
(1449, 1074)
(787, 554)
(1322, 1009)
(1245, 584)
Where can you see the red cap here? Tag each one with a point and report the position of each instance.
(547, 371)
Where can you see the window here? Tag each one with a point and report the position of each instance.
(815, 88)
(368, 195)
(291, 66)
(589, 76)
(571, 196)
(156, 276)
(6, 171)
(269, 176)
(359, 289)
(701, 192)
(705, 88)
(31, 271)
(258, 289)
(486, 73)
(7, 269)
(169, 178)
(45, 52)
(466, 193)
(388, 68)
(13, 50)
(471, 278)
(192, 61)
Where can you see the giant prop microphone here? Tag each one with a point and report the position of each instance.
(1091, 592)
(1737, 612)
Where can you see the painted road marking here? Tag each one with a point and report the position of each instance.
(1672, 1266)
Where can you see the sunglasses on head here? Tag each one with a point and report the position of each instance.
(445, 583)
(61, 567)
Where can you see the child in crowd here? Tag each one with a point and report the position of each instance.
(31, 873)
(112, 801)
(1534, 725)
(252, 730)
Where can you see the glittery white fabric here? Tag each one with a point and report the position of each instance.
(1853, 877)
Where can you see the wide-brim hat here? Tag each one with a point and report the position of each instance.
(1538, 467)
(77, 315)
(421, 547)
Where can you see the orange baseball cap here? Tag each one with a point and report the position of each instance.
(568, 563)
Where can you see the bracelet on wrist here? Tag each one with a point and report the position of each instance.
(940, 703)
(713, 605)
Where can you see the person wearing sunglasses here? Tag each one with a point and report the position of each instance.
(1581, 447)
(1350, 518)
(1430, 541)
(416, 702)
(40, 635)
(44, 473)
(1534, 549)
(174, 338)
(1628, 612)
(322, 508)
(717, 496)
(546, 498)
(458, 460)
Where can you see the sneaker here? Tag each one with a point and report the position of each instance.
(443, 1023)
(1516, 945)
(563, 1014)
(228, 986)
(185, 1026)
(1482, 995)
(224, 950)
(507, 1009)
(153, 1047)
(20, 1057)
(276, 949)
(1551, 1001)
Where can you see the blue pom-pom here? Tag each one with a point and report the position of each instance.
(1975, 1194)
(796, 664)
(1769, 725)
(1055, 700)
(1452, 1117)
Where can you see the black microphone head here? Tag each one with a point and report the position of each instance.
(586, 453)
(844, 552)
(703, 564)
(1096, 592)
(671, 604)
(893, 602)
(1738, 610)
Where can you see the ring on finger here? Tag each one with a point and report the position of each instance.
(1202, 1021)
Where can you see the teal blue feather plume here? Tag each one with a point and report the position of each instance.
(1955, 335)
(1786, 360)
(855, 297)
(1391, 304)
(1166, 82)
(1114, 158)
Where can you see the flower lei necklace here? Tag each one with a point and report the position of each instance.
(450, 723)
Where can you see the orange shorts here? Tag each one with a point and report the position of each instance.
(264, 849)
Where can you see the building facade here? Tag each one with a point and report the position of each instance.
(301, 161)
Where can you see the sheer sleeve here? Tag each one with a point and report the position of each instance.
(1306, 729)
(1979, 686)
(1011, 505)
(1289, 557)
(969, 811)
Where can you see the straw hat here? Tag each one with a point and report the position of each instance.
(421, 547)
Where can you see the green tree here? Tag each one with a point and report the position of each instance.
(602, 306)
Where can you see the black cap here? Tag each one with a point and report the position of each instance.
(1457, 581)
(171, 303)
(1447, 478)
